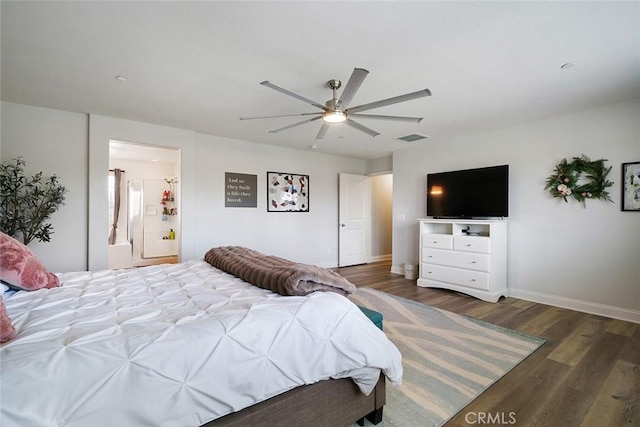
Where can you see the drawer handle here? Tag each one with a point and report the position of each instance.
(473, 262)
(473, 280)
(468, 245)
(435, 241)
(430, 256)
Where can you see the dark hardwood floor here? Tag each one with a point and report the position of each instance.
(586, 374)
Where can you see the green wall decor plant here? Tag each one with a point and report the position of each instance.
(580, 179)
(26, 204)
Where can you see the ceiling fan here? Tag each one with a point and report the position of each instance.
(338, 111)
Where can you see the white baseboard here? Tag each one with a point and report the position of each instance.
(329, 264)
(613, 312)
(397, 269)
(578, 305)
(334, 264)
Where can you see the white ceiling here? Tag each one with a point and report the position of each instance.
(198, 65)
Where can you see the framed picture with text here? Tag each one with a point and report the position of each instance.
(631, 187)
(240, 190)
(287, 192)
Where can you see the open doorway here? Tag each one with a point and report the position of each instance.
(144, 205)
(381, 217)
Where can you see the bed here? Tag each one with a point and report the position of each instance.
(189, 345)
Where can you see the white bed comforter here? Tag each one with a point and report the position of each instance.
(175, 345)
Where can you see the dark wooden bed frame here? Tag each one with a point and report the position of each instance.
(329, 403)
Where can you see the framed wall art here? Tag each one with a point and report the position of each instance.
(631, 187)
(240, 190)
(287, 192)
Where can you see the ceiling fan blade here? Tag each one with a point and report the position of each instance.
(322, 131)
(281, 115)
(295, 95)
(390, 101)
(356, 79)
(361, 128)
(295, 124)
(391, 118)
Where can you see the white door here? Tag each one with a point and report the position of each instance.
(355, 220)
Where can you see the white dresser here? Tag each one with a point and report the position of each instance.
(468, 256)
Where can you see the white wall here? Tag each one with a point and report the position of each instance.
(304, 237)
(76, 147)
(558, 253)
(380, 166)
(54, 142)
(562, 254)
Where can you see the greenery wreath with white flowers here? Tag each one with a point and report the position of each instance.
(580, 179)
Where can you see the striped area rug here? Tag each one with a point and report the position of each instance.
(448, 359)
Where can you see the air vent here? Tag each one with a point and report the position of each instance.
(413, 137)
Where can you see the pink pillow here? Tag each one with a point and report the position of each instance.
(21, 269)
(7, 331)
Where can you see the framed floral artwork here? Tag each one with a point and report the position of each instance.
(631, 187)
(287, 192)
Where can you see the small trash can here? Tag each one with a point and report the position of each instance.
(410, 271)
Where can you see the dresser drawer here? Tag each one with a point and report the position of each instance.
(470, 260)
(457, 276)
(472, 244)
(438, 241)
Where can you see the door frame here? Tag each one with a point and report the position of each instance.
(102, 129)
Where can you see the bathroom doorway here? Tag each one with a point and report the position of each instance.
(381, 216)
(144, 204)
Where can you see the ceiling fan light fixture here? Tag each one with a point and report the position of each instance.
(334, 116)
(337, 110)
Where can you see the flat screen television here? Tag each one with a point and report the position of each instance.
(469, 193)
